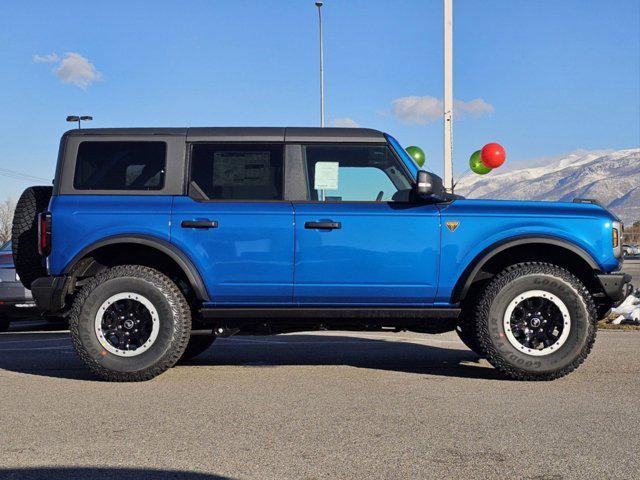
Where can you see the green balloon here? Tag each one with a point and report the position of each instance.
(417, 154)
(476, 165)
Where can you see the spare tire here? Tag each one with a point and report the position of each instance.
(24, 235)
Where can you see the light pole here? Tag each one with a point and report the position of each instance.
(448, 95)
(319, 5)
(79, 119)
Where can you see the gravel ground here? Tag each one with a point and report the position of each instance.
(317, 405)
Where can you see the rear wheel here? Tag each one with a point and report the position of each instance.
(536, 321)
(24, 234)
(130, 323)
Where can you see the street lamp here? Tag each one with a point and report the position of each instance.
(319, 5)
(79, 119)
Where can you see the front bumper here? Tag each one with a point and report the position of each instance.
(616, 286)
(13, 294)
(49, 293)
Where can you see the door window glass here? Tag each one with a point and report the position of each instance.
(238, 172)
(354, 173)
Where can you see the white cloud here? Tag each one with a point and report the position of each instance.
(345, 122)
(77, 70)
(427, 109)
(72, 68)
(420, 110)
(51, 58)
(474, 108)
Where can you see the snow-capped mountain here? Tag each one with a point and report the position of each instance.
(611, 177)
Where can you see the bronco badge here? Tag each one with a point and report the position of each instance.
(452, 225)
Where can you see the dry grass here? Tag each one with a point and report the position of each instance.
(604, 325)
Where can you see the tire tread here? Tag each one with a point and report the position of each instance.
(482, 314)
(182, 328)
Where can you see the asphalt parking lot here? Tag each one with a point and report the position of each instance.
(317, 405)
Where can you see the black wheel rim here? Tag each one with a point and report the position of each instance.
(537, 323)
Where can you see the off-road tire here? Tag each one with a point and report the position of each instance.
(174, 317)
(24, 234)
(197, 345)
(504, 288)
(466, 325)
(468, 335)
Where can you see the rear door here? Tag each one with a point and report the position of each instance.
(359, 241)
(235, 224)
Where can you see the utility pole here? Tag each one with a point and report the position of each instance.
(448, 95)
(319, 5)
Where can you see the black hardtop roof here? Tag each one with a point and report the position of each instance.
(246, 134)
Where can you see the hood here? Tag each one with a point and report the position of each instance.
(581, 208)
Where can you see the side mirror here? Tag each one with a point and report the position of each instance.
(429, 186)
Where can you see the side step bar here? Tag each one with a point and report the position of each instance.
(319, 313)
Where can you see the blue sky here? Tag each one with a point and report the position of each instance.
(541, 77)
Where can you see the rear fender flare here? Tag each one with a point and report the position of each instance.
(173, 252)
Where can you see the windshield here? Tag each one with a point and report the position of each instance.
(6, 246)
(406, 158)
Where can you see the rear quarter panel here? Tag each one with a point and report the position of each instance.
(483, 223)
(78, 221)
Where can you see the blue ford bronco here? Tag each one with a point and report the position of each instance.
(155, 241)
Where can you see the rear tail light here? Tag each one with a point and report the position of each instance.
(44, 233)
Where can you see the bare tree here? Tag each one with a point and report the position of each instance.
(7, 208)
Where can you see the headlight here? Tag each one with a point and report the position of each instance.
(616, 239)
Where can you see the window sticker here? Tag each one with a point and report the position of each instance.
(241, 168)
(326, 176)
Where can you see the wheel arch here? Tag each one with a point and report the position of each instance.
(82, 261)
(515, 250)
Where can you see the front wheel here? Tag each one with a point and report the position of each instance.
(130, 323)
(536, 321)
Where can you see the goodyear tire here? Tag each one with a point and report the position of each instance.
(24, 234)
(467, 334)
(536, 321)
(130, 323)
(466, 326)
(197, 345)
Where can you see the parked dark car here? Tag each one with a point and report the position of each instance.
(14, 298)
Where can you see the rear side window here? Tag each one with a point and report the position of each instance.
(120, 166)
(238, 172)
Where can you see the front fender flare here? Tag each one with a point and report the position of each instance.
(464, 283)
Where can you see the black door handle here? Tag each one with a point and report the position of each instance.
(199, 224)
(323, 225)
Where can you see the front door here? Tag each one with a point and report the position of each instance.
(235, 225)
(359, 240)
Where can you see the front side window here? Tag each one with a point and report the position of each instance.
(120, 166)
(237, 171)
(355, 173)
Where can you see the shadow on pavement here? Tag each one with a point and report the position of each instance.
(95, 473)
(33, 349)
(381, 354)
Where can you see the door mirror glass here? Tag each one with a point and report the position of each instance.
(429, 186)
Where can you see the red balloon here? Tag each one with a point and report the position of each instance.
(493, 155)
